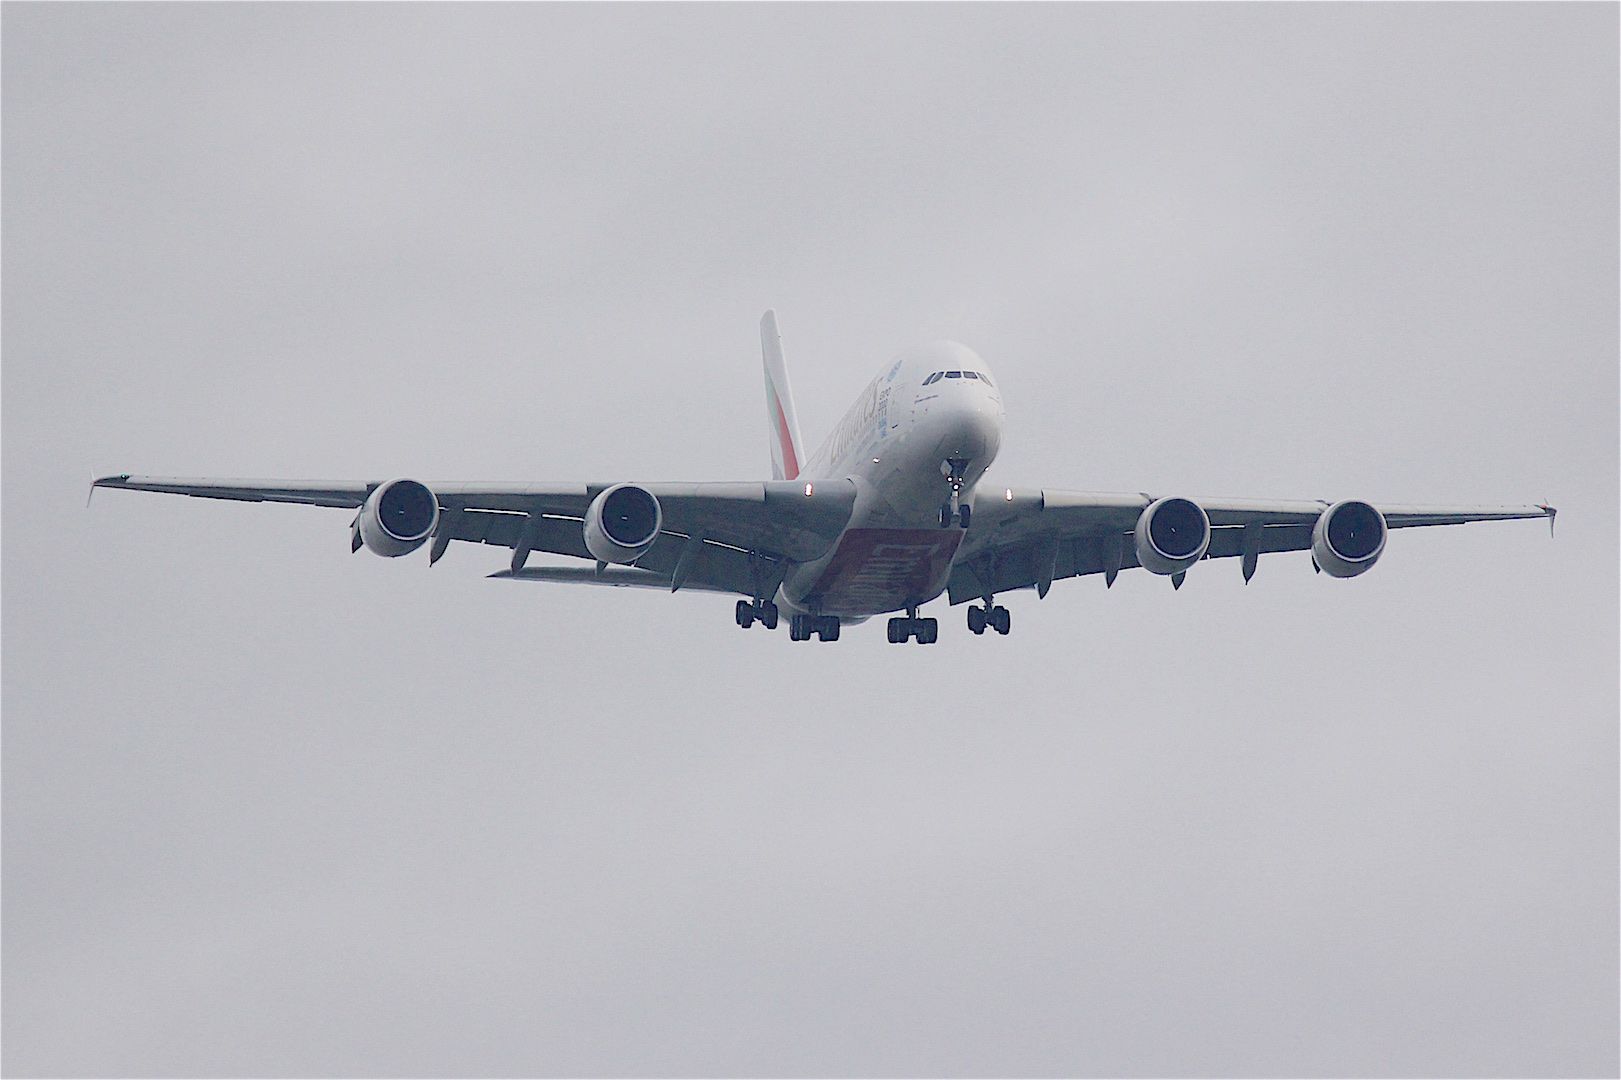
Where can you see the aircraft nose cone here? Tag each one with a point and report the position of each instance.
(971, 426)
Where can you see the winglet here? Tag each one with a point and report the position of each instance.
(104, 481)
(1552, 512)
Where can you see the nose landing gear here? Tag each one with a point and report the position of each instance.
(954, 511)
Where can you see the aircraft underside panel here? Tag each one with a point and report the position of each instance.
(876, 570)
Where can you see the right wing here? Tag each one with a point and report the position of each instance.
(729, 537)
(1031, 538)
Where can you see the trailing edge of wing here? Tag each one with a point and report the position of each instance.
(617, 576)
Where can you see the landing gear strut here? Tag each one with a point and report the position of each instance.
(990, 616)
(954, 511)
(762, 611)
(926, 631)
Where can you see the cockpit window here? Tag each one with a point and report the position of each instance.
(953, 374)
(933, 378)
(970, 374)
(986, 379)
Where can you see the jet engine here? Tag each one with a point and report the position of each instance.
(621, 524)
(1348, 538)
(1171, 535)
(397, 518)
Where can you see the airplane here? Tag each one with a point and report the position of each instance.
(889, 514)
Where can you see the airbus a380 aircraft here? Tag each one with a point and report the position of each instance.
(885, 517)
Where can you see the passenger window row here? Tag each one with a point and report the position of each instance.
(938, 375)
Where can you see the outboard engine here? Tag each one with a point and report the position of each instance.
(1172, 534)
(396, 518)
(1348, 538)
(622, 523)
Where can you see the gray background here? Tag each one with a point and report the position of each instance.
(270, 808)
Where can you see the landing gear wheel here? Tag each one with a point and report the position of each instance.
(899, 631)
(964, 515)
(799, 628)
(945, 517)
(745, 614)
(1001, 621)
(976, 620)
(828, 627)
(928, 631)
(768, 614)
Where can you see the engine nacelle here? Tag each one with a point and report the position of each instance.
(1171, 535)
(621, 524)
(397, 518)
(1348, 538)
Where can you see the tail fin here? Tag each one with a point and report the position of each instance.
(786, 460)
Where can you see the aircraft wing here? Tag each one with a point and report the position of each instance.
(728, 537)
(1024, 538)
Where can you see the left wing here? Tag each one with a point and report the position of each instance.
(730, 537)
(1027, 538)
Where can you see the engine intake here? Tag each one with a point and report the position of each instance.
(397, 518)
(1348, 538)
(622, 523)
(1172, 534)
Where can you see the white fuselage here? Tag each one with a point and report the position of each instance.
(894, 444)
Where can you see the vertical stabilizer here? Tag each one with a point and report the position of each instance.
(786, 459)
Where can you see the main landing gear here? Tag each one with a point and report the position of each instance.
(762, 611)
(954, 511)
(926, 631)
(993, 616)
(801, 627)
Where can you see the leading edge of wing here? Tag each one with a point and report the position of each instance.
(1099, 509)
(242, 489)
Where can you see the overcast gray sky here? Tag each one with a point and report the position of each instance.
(270, 808)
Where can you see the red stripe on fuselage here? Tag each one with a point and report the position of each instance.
(877, 570)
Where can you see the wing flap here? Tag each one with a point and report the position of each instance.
(615, 576)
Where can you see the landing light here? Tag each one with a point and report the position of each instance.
(809, 490)
(1008, 494)
(875, 461)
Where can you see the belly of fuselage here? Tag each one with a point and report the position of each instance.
(881, 569)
